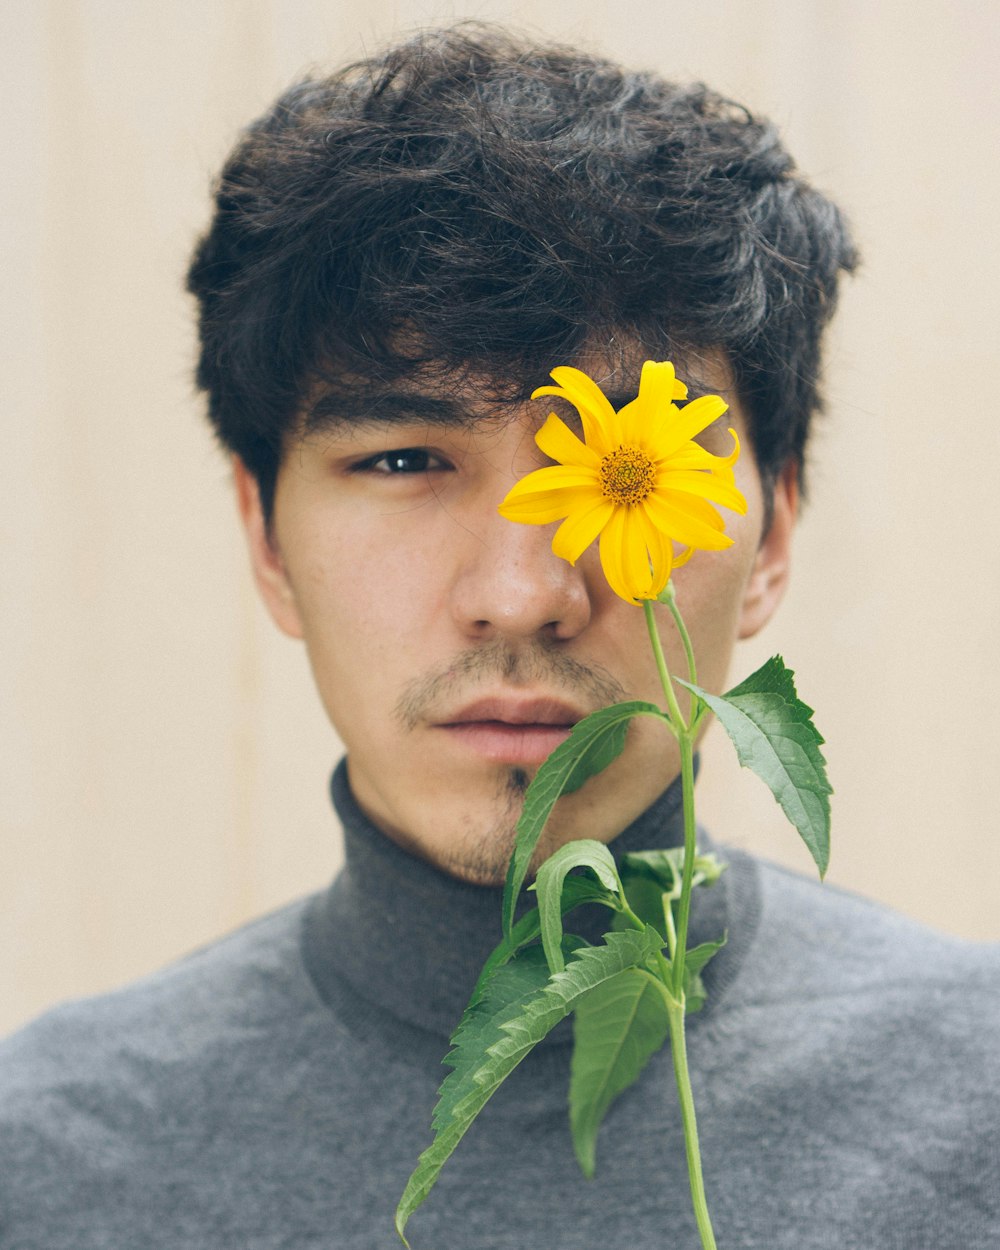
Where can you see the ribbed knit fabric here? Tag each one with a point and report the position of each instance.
(275, 1089)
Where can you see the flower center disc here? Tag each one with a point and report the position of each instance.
(626, 475)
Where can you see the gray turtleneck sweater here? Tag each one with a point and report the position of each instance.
(275, 1089)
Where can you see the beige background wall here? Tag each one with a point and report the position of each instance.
(163, 759)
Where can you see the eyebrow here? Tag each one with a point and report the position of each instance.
(341, 413)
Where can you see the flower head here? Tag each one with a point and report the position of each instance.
(638, 480)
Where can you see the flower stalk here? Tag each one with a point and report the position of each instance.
(676, 1006)
(678, 1050)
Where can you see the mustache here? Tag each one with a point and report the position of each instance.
(538, 664)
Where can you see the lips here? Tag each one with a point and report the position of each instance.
(510, 731)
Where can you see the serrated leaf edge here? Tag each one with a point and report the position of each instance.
(546, 1008)
(798, 816)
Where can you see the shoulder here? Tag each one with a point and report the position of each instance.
(180, 1105)
(239, 970)
(867, 941)
(126, 1045)
(820, 953)
(124, 1094)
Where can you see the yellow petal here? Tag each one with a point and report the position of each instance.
(659, 384)
(643, 427)
(683, 558)
(734, 455)
(645, 415)
(624, 556)
(550, 494)
(636, 555)
(559, 442)
(580, 528)
(660, 578)
(693, 456)
(712, 486)
(674, 520)
(539, 506)
(701, 509)
(536, 511)
(600, 422)
(554, 477)
(689, 422)
(661, 552)
(612, 553)
(656, 384)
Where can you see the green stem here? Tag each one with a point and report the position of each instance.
(690, 849)
(630, 915)
(678, 1048)
(676, 718)
(669, 597)
(676, 998)
(668, 919)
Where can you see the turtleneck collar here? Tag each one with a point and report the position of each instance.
(397, 944)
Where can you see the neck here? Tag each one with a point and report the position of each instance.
(407, 939)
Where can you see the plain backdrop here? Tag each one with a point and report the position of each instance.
(163, 757)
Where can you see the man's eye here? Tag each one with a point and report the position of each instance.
(402, 460)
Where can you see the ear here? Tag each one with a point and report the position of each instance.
(265, 558)
(769, 576)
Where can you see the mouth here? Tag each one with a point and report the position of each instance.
(511, 731)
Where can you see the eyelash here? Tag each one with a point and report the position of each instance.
(429, 462)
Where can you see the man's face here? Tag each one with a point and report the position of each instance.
(453, 650)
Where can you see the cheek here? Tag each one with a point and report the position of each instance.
(710, 599)
(712, 586)
(346, 569)
(361, 593)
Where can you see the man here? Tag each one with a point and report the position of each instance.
(398, 257)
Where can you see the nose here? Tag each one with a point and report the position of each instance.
(511, 585)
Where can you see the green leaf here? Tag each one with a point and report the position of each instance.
(666, 867)
(502, 997)
(592, 745)
(652, 879)
(663, 867)
(582, 853)
(694, 961)
(597, 754)
(698, 956)
(518, 1007)
(575, 892)
(646, 899)
(774, 736)
(616, 1029)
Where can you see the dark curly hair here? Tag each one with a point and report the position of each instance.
(471, 205)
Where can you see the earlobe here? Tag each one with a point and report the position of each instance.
(772, 564)
(265, 558)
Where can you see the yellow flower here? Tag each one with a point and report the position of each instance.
(638, 480)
